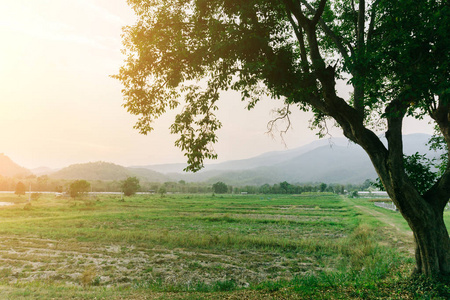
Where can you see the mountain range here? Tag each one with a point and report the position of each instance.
(333, 160)
(8, 168)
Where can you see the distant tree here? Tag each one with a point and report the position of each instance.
(59, 189)
(308, 188)
(154, 187)
(354, 194)
(20, 189)
(265, 188)
(230, 189)
(366, 184)
(130, 186)
(41, 183)
(323, 187)
(162, 191)
(193, 189)
(79, 188)
(285, 187)
(220, 188)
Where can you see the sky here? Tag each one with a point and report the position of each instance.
(59, 105)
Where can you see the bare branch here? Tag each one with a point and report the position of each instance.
(283, 115)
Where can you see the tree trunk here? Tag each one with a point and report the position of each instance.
(424, 213)
(432, 247)
(431, 238)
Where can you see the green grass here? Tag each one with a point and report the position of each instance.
(203, 247)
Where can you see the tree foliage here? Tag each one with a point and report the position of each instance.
(79, 188)
(419, 169)
(220, 188)
(130, 186)
(162, 191)
(20, 189)
(394, 54)
(437, 143)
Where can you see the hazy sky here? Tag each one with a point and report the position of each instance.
(59, 106)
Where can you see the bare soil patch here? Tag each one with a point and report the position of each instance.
(26, 259)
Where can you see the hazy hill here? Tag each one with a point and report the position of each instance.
(265, 159)
(149, 175)
(8, 168)
(331, 161)
(163, 168)
(43, 171)
(336, 164)
(92, 171)
(106, 171)
(275, 157)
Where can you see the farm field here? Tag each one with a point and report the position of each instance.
(314, 246)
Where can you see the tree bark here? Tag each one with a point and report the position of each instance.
(431, 239)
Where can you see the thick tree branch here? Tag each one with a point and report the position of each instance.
(372, 22)
(295, 9)
(361, 23)
(395, 113)
(358, 72)
(440, 192)
(330, 33)
(355, 20)
(319, 12)
(299, 34)
(442, 117)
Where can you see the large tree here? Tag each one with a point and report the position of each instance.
(394, 54)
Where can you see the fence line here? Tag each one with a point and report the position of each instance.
(386, 205)
(391, 206)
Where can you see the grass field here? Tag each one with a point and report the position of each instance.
(313, 246)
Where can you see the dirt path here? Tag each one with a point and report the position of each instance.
(401, 237)
(385, 219)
